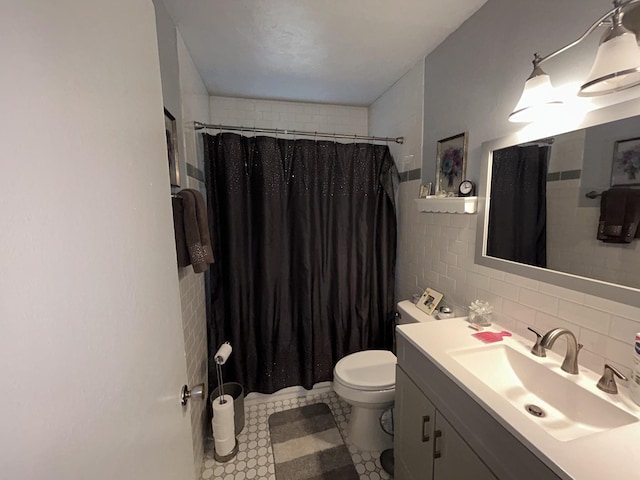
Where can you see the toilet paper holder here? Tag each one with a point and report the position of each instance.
(196, 392)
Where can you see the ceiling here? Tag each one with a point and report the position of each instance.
(331, 51)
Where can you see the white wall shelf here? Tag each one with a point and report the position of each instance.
(447, 204)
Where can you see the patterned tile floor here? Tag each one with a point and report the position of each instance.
(255, 457)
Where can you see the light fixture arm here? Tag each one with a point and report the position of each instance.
(618, 6)
(616, 67)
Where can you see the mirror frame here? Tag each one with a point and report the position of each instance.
(598, 288)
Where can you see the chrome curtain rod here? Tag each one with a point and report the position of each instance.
(201, 126)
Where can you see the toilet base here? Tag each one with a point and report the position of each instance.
(365, 431)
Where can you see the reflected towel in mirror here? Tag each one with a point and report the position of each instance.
(619, 215)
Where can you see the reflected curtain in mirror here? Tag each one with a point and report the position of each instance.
(304, 236)
(517, 227)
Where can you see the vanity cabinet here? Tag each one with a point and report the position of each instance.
(426, 445)
(471, 442)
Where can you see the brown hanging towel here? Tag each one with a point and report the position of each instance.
(196, 229)
(182, 253)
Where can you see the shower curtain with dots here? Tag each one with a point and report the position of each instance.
(304, 237)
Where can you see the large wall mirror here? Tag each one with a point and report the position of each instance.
(540, 209)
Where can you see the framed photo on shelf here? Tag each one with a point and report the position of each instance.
(425, 190)
(625, 165)
(429, 301)
(451, 164)
(171, 133)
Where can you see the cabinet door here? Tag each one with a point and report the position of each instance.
(414, 426)
(454, 459)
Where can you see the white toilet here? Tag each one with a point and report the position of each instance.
(367, 381)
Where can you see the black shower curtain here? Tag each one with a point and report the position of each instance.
(518, 211)
(304, 237)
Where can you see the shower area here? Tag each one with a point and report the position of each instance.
(304, 235)
(303, 229)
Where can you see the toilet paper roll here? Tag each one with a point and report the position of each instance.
(223, 425)
(223, 353)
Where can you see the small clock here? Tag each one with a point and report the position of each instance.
(467, 188)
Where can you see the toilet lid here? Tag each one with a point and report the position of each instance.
(367, 370)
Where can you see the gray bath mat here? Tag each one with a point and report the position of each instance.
(308, 446)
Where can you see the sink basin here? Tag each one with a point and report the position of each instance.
(562, 408)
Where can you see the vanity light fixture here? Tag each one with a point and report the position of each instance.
(538, 99)
(616, 68)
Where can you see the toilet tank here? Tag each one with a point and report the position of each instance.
(409, 313)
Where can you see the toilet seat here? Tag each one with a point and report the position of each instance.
(367, 370)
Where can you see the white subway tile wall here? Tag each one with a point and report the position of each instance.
(430, 254)
(310, 117)
(195, 345)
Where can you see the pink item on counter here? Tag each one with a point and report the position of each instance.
(491, 337)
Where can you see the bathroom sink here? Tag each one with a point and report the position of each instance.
(554, 402)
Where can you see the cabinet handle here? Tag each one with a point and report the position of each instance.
(425, 428)
(436, 452)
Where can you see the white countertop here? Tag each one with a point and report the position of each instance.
(605, 455)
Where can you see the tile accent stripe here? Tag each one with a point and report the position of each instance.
(570, 175)
(195, 172)
(566, 175)
(410, 175)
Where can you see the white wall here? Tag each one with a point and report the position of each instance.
(475, 77)
(89, 294)
(472, 81)
(399, 113)
(186, 97)
(313, 117)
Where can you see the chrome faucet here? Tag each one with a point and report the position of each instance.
(608, 382)
(570, 364)
(537, 350)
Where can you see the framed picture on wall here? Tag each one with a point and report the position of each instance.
(625, 168)
(451, 164)
(171, 133)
